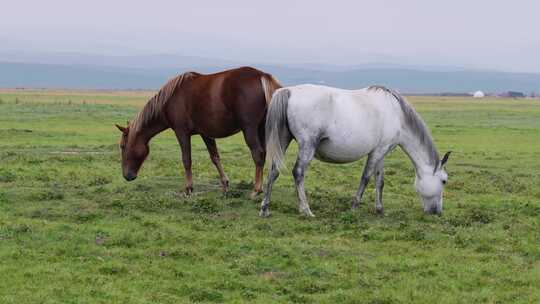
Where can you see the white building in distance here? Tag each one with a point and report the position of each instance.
(479, 94)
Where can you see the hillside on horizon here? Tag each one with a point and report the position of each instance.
(87, 71)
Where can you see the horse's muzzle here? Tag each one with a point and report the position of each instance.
(130, 176)
(434, 211)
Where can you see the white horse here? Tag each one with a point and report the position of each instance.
(342, 126)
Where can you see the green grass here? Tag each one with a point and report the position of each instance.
(73, 231)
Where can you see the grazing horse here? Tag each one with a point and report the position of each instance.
(213, 106)
(342, 126)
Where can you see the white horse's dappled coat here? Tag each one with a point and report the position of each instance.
(342, 126)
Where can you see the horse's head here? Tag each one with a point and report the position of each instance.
(134, 151)
(430, 187)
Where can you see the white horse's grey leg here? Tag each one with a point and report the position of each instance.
(273, 174)
(364, 180)
(379, 185)
(305, 155)
(373, 159)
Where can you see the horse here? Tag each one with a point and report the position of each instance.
(212, 106)
(342, 126)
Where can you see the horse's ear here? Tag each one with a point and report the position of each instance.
(445, 158)
(122, 129)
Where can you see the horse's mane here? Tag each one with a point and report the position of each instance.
(153, 107)
(414, 122)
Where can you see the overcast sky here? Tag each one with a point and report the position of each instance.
(484, 34)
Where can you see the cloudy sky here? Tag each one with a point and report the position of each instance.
(496, 34)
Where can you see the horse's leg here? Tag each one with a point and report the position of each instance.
(214, 156)
(373, 159)
(185, 145)
(251, 135)
(305, 155)
(379, 185)
(364, 180)
(273, 174)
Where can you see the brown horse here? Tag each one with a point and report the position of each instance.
(213, 106)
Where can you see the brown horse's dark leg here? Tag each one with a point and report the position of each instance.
(185, 145)
(251, 135)
(214, 156)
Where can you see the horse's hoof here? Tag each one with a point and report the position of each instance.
(189, 192)
(307, 213)
(379, 211)
(254, 194)
(355, 203)
(264, 213)
(225, 186)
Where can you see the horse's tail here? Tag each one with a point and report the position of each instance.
(269, 85)
(277, 127)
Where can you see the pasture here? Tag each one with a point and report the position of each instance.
(73, 231)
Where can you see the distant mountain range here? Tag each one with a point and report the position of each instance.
(84, 71)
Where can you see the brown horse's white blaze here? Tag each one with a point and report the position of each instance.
(212, 106)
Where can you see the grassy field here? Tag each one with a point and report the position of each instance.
(73, 231)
